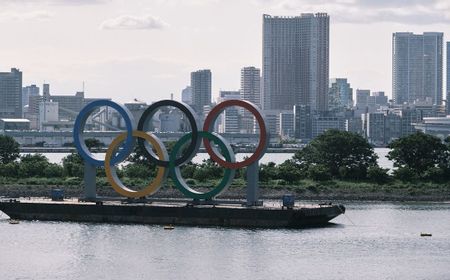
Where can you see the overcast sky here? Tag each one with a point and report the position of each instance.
(127, 49)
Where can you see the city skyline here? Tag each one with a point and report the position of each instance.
(48, 42)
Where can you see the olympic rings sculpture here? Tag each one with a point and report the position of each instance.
(169, 164)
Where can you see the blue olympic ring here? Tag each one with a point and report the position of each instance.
(80, 122)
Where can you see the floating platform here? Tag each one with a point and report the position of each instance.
(173, 213)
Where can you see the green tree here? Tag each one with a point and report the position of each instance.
(378, 175)
(418, 151)
(207, 170)
(343, 154)
(9, 170)
(54, 170)
(136, 170)
(405, 174)
(9, 149)
(289, 171)
(435, 174)
(73, 165)
(319, 172)
(188, 170)
(33, 165)
(268, 171)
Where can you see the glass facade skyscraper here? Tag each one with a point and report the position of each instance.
(11, 94)
(251, 85)
(295, 61)
(250, 91)
(448, 79)
(201, 89)
(417, 67)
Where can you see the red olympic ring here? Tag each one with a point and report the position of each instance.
(263, 139)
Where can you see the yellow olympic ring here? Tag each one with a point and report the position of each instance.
(114, 180)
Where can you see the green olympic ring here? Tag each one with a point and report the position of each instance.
(175, 170)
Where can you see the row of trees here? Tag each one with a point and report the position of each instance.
(348, 156)
(37, 165)
(332, 155)
(13, 165)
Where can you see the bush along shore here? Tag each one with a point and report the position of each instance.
(333, 190)
(335, 166)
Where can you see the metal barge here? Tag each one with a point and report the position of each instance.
(173, 213)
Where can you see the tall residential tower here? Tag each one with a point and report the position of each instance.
(417, 67)
(250, 91)
(295, 61)
(448, 79)
(11, 94)
(201, 89)
(251, 85)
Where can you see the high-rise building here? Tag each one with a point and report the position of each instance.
(362, 97)
(302, 122)
(250, 91)
(28, 91)
(417, 67)
(376, 100)
(375, 127)
(409, 116)
(379, 98)
(448, 79)
(355, 125)
(287, 124)
(393, 127)
(230, 120)
(11, 94)
(186, 95)
(272, 120)
(362, 102)
(201, 89)
(340, 95)
(295, 61)
(251, 85)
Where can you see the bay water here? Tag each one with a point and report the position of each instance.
(372, 241)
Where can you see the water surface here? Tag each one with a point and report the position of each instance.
(374, 241)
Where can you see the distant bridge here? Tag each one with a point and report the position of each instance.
(62, 138)
(43, 150)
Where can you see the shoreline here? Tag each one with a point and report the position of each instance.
(361, 195)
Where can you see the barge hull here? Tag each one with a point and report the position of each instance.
(232, 216)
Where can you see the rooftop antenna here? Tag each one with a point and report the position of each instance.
(171, 96)
(83, 86)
